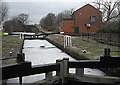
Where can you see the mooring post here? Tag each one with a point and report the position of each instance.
(48, 76)
(80, 71)
(20, 57)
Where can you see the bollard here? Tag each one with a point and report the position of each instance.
(48, 76)
(80, 72)
(20, 58)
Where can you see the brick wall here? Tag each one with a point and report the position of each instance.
(82, 17)
(67, 26)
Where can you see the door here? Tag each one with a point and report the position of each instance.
(76, 30)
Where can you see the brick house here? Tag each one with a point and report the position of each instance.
(67, 26)
(85, 19)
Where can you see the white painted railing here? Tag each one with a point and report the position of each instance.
(67, 41)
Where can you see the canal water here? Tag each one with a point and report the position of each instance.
(42, 52)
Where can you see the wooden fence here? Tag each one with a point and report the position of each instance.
(24, 68)
(106, 38)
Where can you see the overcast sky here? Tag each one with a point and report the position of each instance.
(40, 8)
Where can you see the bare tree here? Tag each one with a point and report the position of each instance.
(3, 11)
(118, 12)
(63, 15)
(52, 22)
(0, 12)
(48, 21)
(23, 18)
(13, 25)
(109, 9)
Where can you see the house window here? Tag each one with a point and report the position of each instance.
(92, 19)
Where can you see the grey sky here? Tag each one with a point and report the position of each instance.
(38, 9)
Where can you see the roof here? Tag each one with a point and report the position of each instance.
(85, 6)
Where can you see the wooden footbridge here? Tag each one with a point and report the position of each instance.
(63, 77)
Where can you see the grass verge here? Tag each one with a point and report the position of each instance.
(12, 44)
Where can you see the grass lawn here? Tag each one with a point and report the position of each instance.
(90, 46)
(12, 44)
(93, 46)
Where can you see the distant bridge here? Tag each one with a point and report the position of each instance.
(36, 36)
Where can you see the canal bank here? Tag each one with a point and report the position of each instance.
(38, 50)
(91, 46)
(13, 44)
(74, 52)
(38, 55)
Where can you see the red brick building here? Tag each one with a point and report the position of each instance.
(67, 26)
(85, 19)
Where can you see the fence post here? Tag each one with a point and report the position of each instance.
(82, 36)
(110, 38)
(20, 35)
(80, 72)
(65, 66)
(48, 76)
(64, 42)
(106, 58)
(88, 36)
(106, 52)
(58, 62)
(20, 80)
(23, 36)
(101, 37)
(64, 69)
(70, 41)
